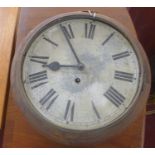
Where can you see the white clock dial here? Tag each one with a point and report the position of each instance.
(81, 74)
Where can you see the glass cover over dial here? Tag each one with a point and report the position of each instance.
(81, 74)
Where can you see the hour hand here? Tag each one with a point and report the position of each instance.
(56, 66)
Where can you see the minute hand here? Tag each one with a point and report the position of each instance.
(69, 43)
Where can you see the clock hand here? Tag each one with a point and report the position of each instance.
(56, 66)
(70, 45)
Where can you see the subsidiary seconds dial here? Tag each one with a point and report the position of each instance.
(81, 74)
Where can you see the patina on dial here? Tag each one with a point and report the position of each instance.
(81, 74)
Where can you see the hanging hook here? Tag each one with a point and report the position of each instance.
(91, 13)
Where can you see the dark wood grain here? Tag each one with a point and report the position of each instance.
(18, 131)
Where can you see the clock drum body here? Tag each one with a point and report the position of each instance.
(75, 87)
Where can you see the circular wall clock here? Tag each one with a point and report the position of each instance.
(80, 77)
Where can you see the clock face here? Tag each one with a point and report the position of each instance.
(81, 74)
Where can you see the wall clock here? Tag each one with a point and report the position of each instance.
(80, 77)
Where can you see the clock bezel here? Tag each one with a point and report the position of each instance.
(36, 118)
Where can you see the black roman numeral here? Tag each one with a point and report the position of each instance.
(114, 96)
(69, 111)
(95, 110)
(39, 79)
(50, 41)
(68, 31)
(89, 31)
(124, 76)
(121, 55)
(39, 59)
(49, 98)
(108, 38)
